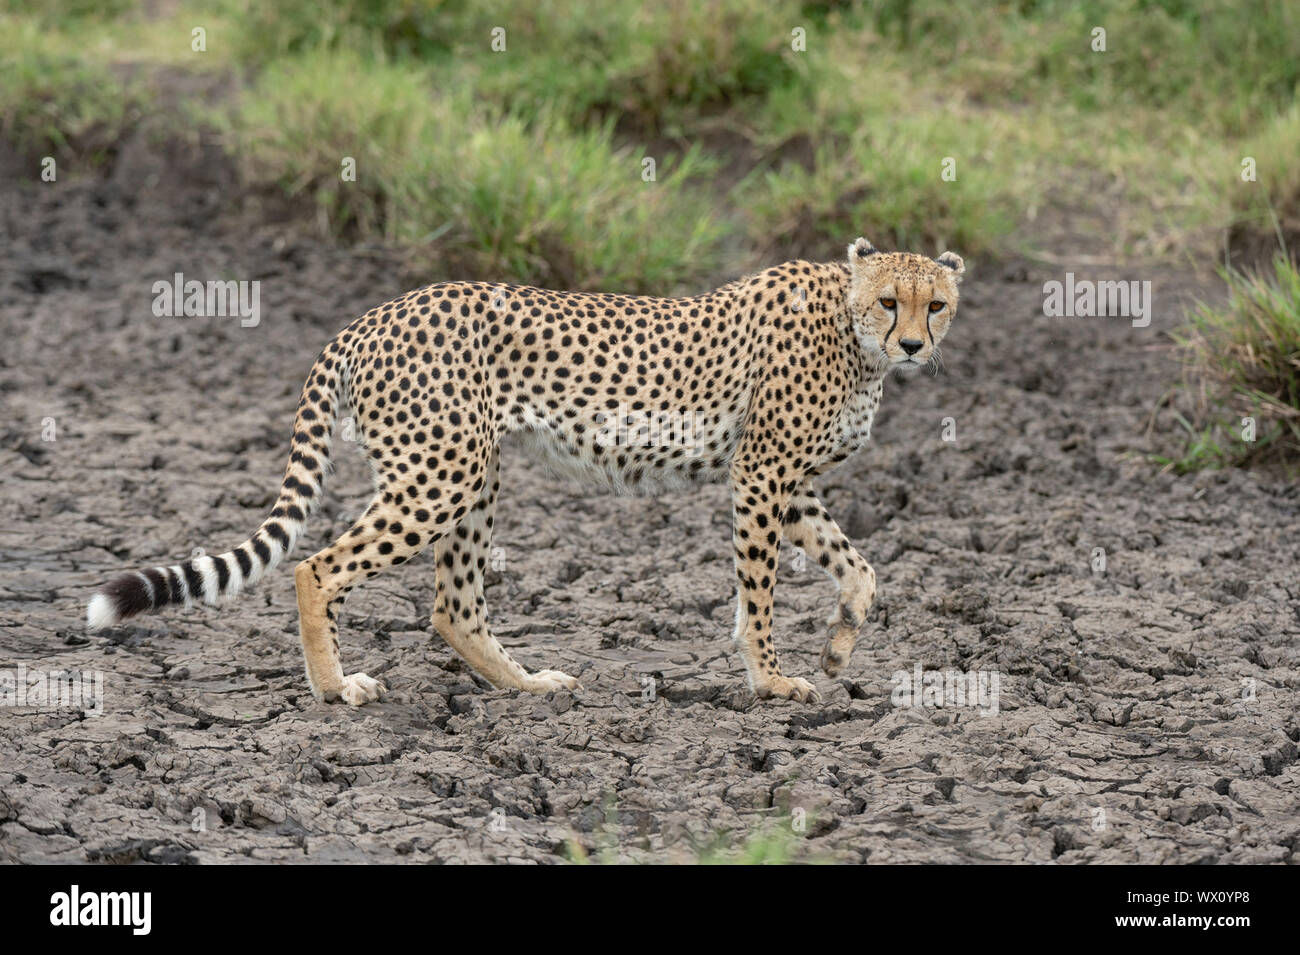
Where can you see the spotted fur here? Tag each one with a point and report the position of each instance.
(775, 378)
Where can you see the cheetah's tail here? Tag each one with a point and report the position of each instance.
(210, 578)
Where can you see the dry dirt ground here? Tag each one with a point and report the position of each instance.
(1147, 711)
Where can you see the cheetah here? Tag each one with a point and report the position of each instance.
(778, 375)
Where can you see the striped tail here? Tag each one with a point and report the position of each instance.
(208, 579)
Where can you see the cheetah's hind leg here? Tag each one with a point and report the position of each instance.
(460, 613)
(393, 530)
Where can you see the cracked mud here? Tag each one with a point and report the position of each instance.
(1146, 712)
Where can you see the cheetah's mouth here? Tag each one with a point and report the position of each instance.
(908, 365)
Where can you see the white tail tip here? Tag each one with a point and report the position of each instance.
(100, 612)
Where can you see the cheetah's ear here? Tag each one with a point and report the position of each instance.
(953, 261)
(859, 249)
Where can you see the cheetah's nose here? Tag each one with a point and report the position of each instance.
(911, 345)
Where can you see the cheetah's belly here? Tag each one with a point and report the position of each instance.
(631, 453)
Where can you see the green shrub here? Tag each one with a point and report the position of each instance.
(1217, 62)
(268, 32)
(581, 57)
(1271, 203)
(645, 62)
(56, 12)
(851, 154)
(52, 98)
(497, 194)
(1245, 360)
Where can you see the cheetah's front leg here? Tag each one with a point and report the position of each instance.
(758, 501)
(808, 526)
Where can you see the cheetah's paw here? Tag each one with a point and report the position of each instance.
(544, 681)
(358, 690)
(789, 688)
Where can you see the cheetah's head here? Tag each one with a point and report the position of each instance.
(901, 303)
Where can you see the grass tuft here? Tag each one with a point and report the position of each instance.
(500, 195)
(53, 99)
(1245, 359)
(1271, 203)
(586, 58)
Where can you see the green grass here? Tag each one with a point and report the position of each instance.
(524, 163)
(499, 194)
(872, 166)
(651, 64)
(53, 99)
(385, 28)
(1149, 132)
(1244, 362)
(1272, 202)
(1217, 62)
(884, 92)
(773, 843)
(584, 58)
(51, 13)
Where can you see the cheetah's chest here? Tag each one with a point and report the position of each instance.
(852, 429)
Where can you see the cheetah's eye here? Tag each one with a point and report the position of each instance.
(888, 303)
(936, 307)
